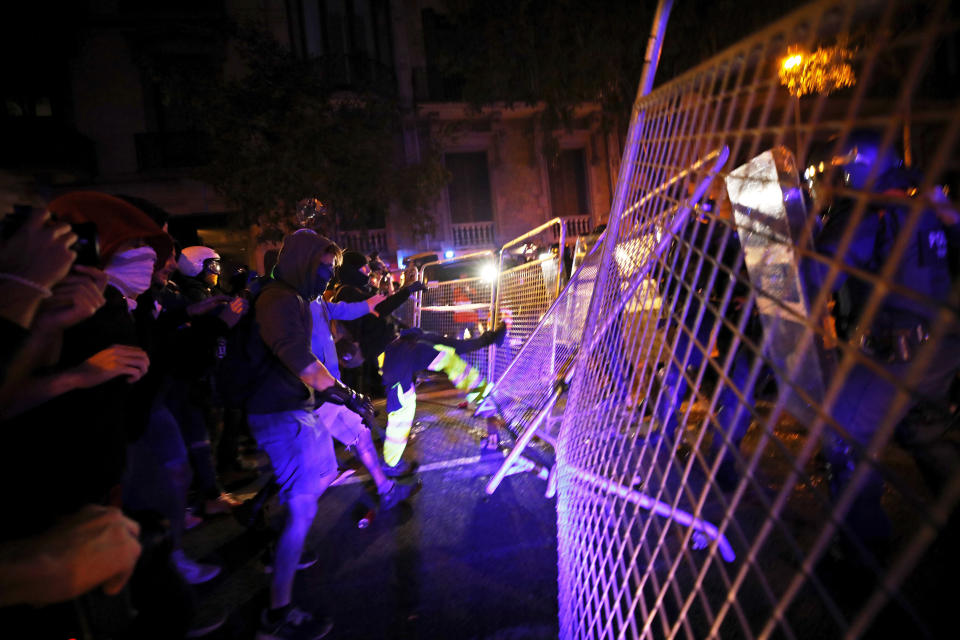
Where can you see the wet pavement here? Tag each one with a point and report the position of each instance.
(453, 563)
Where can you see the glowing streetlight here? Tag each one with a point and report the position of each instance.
(821, 71)
(791, 61)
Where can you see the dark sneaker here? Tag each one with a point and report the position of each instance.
(307, 560)
(402, 468)
(297, 624)
(398, 493)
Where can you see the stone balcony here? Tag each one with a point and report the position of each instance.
(576, 226)
(467, 235)
(364, 241)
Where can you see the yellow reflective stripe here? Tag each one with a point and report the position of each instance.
(443, 357)
(394, 444)
(456, 369)
(458, 380)
(408, 399)
(399, 423)
(480, 392)
(471, 379)
(439, 362)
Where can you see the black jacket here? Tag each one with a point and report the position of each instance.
(72, 450)
(372, 333)
(283, 325)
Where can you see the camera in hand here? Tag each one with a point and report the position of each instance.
(87, 245)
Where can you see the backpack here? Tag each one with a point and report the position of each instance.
(246, 361)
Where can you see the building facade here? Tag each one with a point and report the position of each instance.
(109, 127)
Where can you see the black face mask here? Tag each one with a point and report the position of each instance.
(353, 278)
(324, 275)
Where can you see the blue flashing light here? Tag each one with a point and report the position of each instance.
(448, 254)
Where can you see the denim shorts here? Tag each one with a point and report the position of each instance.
(300, 450)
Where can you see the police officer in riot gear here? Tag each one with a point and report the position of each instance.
(900, 329)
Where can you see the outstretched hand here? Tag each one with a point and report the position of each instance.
(118, 360)
(235, 310)
(208, 305)
(339, 393)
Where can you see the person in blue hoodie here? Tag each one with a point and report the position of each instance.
(343, 424)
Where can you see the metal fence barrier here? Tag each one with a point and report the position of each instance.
(470, 294)
(758, 439)
(460, 308)
(529, 277)
(530, 387)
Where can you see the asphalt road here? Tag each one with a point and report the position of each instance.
(454, 563)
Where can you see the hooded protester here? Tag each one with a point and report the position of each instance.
(289, 381)
(354, 271)
(372, 332)
(130, 243)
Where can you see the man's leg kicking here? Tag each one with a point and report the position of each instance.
(416, 351)
(348, 428)
(399, 422)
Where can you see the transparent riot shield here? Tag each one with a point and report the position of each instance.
(772, 222)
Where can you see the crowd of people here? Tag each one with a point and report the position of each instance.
(132, 369)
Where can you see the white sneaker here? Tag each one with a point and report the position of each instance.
(192, 571)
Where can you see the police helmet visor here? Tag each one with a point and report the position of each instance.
(212, 265)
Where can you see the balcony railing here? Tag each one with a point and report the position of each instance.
(364, 241)
(472, 234)
(576, 226)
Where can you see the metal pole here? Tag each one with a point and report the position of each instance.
(523, 441)
(493, 318)
(660, 508)
(630, 152)
(655, 45)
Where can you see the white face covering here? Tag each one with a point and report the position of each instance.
(130, 271)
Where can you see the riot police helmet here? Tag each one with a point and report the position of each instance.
(849, 163)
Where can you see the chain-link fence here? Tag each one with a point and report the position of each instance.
(529, 278)
(458, 300)
(759, 437)
(528, 390)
